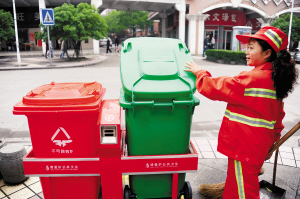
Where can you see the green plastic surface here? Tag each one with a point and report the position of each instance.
(153, 68)
(158, 99)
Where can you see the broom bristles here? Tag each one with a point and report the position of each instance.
(212, 191)
(215, 191)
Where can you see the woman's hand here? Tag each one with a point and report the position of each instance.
(192, 67)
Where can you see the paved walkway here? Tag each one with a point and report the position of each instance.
(36, 60)
(212, 168)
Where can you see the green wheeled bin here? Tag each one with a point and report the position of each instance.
(158, 99)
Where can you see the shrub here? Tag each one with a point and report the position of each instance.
(226, 55)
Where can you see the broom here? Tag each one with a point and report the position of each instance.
(215, 191)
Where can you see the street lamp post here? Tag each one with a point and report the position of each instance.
(290, 27)
(16, 34)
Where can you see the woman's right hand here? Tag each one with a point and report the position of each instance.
(192, 67)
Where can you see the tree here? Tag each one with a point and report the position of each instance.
(112, 21)
(6, 25)
(134, 19)
(76, 23)
(283, 23)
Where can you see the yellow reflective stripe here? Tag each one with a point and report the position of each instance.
(260, 92)
(260, 89)
(256, 122)
(274, 37)
(239, 179)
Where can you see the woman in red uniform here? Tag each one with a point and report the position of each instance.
(254, 113)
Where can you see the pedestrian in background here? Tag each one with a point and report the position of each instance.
(108, 45)
(212, 41)
(206, 41)
(117, 43)
(64, 49)
(47, 49)
(253, 118)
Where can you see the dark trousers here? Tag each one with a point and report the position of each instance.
(107, 49)
(204, 49)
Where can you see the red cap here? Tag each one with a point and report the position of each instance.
(274, 36)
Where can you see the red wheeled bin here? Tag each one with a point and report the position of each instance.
(62, 118)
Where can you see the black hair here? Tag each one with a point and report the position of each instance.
(285, 73)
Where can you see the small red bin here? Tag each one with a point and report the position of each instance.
(62, 119)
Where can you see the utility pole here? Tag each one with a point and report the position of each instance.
(291, 19)
(16, 34)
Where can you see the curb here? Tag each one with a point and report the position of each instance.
(83, 64)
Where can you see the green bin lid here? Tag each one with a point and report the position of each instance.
(153, 68)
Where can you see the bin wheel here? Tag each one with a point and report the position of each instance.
(187, 189)
(126, 192)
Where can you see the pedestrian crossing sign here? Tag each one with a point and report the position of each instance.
(48, 17)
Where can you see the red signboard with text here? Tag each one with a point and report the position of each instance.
(254, 23)
(226, 17)
(32, 36)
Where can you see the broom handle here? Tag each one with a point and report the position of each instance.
(284, 138)
(275, 167)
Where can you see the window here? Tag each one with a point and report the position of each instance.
(86, 41)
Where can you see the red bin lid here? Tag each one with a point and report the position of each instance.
(56, 97)
(64, 94)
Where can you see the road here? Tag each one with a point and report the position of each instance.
(206, 120)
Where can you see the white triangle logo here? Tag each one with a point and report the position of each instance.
(61, 142)
(48, 18)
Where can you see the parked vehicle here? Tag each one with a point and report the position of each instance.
(297, 55)
(103, 42)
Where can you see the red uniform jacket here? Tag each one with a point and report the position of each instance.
(253, 117)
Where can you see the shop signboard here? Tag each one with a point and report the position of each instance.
(32, 36)
(254, 23)
(226, 17)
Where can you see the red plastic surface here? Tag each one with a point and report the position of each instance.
(61, 96)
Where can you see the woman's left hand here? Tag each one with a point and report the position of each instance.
(192, 67)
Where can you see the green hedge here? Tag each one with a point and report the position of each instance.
(226, 55)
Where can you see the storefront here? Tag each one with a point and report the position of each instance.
(28, 19)
(220, 22)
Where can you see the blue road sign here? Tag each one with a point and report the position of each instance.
(48, 17)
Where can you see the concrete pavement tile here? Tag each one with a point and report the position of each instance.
(31, 180)
(296, 150)
(220, 155)
(37, 188)
(288, 162)
(285, 149)
(200, 155)
(202, 142)
(41, 195)
(214, 148)
(208, 155)
(213, 142)
(2, 194)
(24, 193)
(205, 148)
(28, 149)
(298, 164)
(287, 155)
(34, 197)
(297, 156)
(10, 189)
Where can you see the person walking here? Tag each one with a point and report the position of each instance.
(253, 118)
(47, 49)
(65, 49)
(212, 41)
(108, 45)
(205, 44)
(117, 42)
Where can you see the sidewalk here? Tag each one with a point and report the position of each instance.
(35, 60)
(212, 167)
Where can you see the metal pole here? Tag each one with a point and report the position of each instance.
(49, 46)
(16, 34)
(291, 19)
